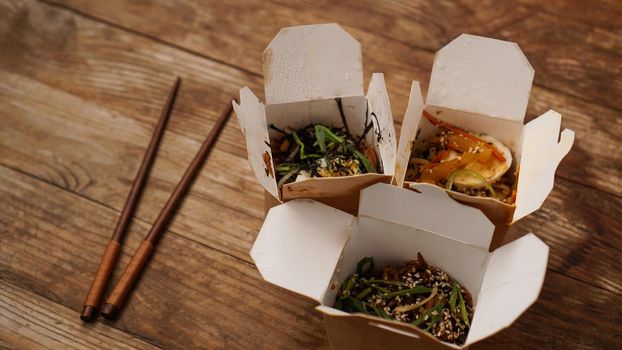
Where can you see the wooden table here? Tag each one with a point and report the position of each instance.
(81, 86)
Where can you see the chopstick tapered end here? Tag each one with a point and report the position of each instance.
(88, 313)
(109, 311)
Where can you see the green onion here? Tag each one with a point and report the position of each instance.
(339, 304)
(383, 290)
(366, 163)
(358, 305)
(393, 283)
(478, 176)
(416, 290)
(452, 298)
(363, 294)
(349, 284)
(299, 143)
(287, 176)
(321, 138)
(327, 133)
(285, 168)
(380, 311)
(463, 311)
(438, 308)
(366, 261)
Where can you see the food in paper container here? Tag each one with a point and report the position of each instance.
(417, 293)
(321, 151)
(482, 85)
(313, 75)
(311, 249)
(461, 161)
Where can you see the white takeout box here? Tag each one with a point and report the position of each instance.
(482, 85)
(307, 70)
(310, 248)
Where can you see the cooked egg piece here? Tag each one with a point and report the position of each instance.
(492, 170)
(302, 175)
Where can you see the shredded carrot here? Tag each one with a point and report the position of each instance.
(446, 126)
(440, 156)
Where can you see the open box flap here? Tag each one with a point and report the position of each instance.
(251, 116)
(512, 283)
(481, 75)
(427, 208)
(299, 245)
(360, 331)
(380, 114)
(408, 133)
(540, 155)
(312, 62)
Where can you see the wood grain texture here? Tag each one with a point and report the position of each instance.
(30, 321)
(81, 86)
(190, 297)
(30, 110)
(80, 134)
(399, 40)
(221, 297)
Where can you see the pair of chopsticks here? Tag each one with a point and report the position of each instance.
(141, 256)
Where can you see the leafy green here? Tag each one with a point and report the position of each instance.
(410, 291)
(366, 261)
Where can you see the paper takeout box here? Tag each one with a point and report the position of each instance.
(308, 72)
(310, 248)
(482, 85)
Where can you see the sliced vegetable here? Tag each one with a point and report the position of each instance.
(468, 172)
(363, 294)
(360, 267)
(452, 298)
(366, 163)
(407, 308)
(463, 311)
(435, 318)
(380, 312)
(410, 291)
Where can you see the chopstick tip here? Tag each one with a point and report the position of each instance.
(88, 313)
(109, 311)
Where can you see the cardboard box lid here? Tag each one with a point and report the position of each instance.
(430, 209)
(300, 247)
(251, 115)
(312, 62)
(512, 283)
(483, 76)
(493, 78)
(541, 153)
(303, 67)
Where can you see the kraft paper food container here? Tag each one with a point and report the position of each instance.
(311, 74)
(482, 85)
(310, 248)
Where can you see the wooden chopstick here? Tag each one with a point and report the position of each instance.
(141, 256)
(111, 253)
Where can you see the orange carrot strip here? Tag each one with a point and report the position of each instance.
(444, 125)
(440, 156)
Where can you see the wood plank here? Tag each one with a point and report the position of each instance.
(221, 297)
(568, 56)
(29, 321)
(121, 71)
(189, 297)
(600, 13)
(223, 36)
(89, 150)
(95, 152)
(79, 142)
(544, 325)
